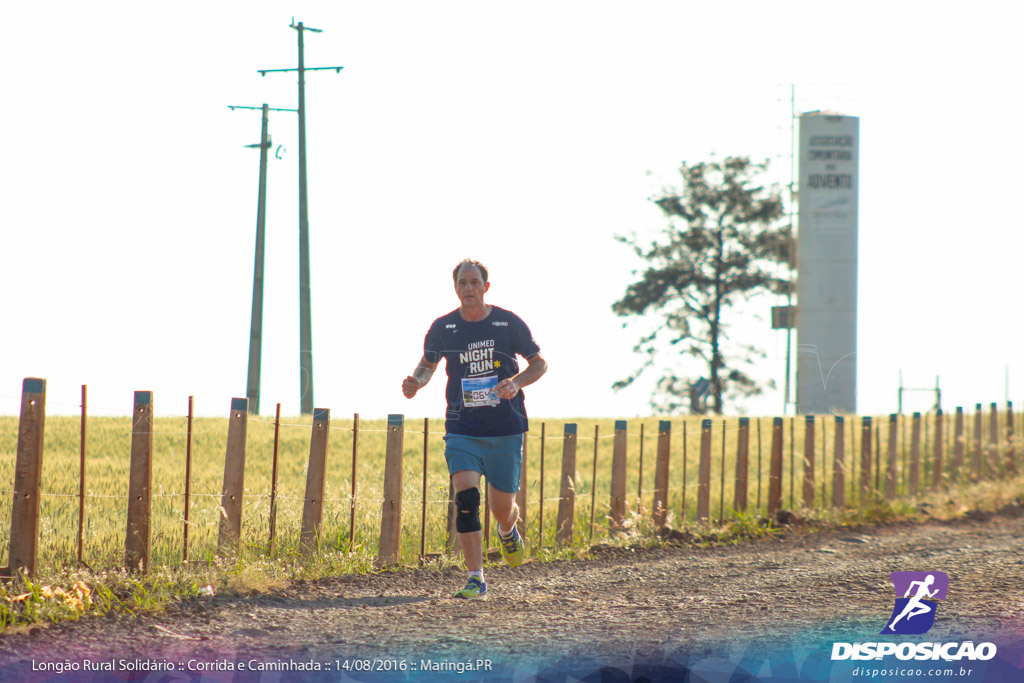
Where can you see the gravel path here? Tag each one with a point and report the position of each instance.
(619, 605)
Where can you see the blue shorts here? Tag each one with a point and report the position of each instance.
(499, 458)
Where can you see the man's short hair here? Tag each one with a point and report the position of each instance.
(469, 262)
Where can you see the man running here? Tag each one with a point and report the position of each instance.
(486, 417)
(915, 606)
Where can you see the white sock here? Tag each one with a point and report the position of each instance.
(504, 534)
(478, 574)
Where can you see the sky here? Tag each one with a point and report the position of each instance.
(524, 135)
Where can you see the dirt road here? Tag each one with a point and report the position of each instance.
(665, 605)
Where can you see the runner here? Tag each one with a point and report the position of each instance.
(915, 606)
(486, 417)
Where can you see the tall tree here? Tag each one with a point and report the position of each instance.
(723, 243)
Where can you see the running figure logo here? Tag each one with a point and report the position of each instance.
(916, 595)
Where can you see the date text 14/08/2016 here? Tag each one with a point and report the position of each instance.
(458, 667)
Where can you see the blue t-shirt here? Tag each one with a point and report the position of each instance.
(477, 356)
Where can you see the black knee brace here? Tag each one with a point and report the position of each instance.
(467, 511)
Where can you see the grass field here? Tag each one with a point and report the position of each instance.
(108, 443)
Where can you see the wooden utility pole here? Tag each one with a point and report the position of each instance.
(305, 306)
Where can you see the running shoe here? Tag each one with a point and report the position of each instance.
(512, 548)
(475, 588)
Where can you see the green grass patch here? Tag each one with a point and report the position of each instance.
(65, 589)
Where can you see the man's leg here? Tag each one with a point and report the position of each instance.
(472, 541)
(505, 509)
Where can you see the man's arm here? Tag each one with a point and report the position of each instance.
(508, 388)
(419, 377)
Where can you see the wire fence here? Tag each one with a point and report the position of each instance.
(202, 488)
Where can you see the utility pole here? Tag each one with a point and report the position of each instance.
(305, 306)
(252, 390)
(792, 238)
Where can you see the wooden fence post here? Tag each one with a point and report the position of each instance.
(391, 511)
(661, 473)
(976, 459)
(140, 484)
(618, 497)
(567, 495)
(704, 472)
(915, 455)
(682, 515)
(640, 474)
(316, 482)
(940, 443)
(993, 440)
(958, 446)
(865, 459)
(839, 465)
(28, 477)
(775, 473)
(890, 470)
(234, 479)
(742, 465)
(878, 459)
(792, 461)
(808, 461)
(758, 464)
(1011, 461)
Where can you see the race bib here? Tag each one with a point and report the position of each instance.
(480, 391)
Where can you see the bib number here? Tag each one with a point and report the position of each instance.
(480, 391)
